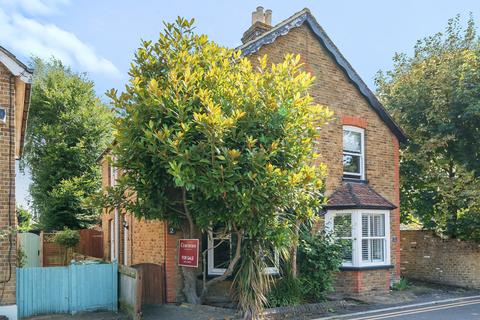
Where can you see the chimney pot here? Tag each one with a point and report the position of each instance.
(258, 16)
(261, 23)
(268, 17)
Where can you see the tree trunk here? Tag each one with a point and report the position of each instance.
(189, 274)
(190, 285)
(293, 252)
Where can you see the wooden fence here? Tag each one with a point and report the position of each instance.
(140, 285)
(53, 255)
(91, 243)
(69, 289)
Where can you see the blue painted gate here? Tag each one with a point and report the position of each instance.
(67, 289)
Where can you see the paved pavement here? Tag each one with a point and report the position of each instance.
(452, 309)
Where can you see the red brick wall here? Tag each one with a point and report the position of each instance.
(147, 242)
(7, 188)
(361, 282)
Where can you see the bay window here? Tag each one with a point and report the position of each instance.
(353, 153)
(365, 233)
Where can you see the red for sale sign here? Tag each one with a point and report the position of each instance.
(188, 253)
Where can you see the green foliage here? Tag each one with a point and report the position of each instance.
(24, 218)
(286, 291)
(434, 95)
(21, 257)
(68, 127)
(319, 257)
(204, 136)
(401, 285)
(67, 238)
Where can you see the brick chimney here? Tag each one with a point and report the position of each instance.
(261, 23)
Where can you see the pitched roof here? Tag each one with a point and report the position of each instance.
(23, 89)
(15, 66)
(357, 195)
(305, 16)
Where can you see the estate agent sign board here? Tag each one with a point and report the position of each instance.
(188, 253)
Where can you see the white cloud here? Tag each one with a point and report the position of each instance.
(28, 36)
(35, 7)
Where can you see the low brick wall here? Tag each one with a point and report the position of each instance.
(425, 256)
(362, 282)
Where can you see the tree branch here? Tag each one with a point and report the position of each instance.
(229, 270)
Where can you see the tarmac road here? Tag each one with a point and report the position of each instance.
(453, 309)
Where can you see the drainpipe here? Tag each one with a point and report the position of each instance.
(117, 235)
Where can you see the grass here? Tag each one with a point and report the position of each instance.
(401, 285)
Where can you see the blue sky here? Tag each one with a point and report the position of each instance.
(100, 37)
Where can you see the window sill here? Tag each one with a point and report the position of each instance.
(366, 268)
(365, 181)
(231, 277)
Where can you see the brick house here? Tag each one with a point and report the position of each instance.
(15, 88)
(360, 147)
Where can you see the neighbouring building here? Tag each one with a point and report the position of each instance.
(360, 146)
(15, 88)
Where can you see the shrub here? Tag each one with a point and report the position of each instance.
(67, 238)
(319, 257)
(21, 258)
(286, 291)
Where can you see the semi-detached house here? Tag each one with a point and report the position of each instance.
(360, 147)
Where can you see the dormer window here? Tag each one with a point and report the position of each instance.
(353, 153)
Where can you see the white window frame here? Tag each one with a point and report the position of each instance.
(112, 240)
(125, 241)
(356, 215)
(113, 174)
(211, 252)
(220, 271)
(360, 175)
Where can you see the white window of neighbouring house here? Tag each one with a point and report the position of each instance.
(221, 250)
(113, 175)
(353, 153)
(366, 234)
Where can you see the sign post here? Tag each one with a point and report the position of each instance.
(188, 253)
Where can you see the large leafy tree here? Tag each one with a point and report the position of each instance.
(205, 140)
(67, 128)
(435, 96)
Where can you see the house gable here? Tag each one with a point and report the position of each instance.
(304, 17)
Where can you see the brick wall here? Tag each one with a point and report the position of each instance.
(425, 256)
(147, 242)
(361, 282)
(333, 89)
(7, 188)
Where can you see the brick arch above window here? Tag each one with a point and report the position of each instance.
(354, 121)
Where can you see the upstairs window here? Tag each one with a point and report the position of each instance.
(353, 153)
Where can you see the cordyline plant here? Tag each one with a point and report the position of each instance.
(204, 139)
